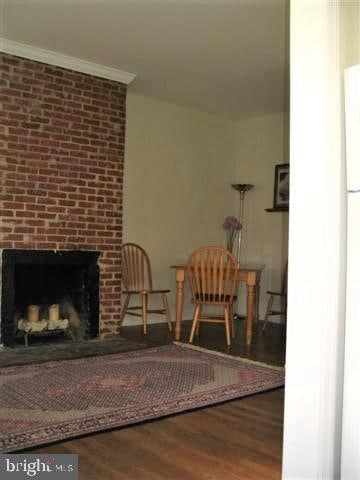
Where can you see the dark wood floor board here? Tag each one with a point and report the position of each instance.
(251, 422)
(189, 458)
(176, 460)
(249, 436)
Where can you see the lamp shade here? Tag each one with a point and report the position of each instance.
(242, 187)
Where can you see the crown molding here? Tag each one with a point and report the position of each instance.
(64, 61)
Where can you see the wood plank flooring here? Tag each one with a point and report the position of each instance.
(268, 346)
(240, 439)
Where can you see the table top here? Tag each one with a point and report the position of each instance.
(244, 267)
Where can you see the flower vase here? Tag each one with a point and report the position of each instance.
(230, 246)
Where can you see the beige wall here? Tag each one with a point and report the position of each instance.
(263, 143)
(350, 33)
(179, 165)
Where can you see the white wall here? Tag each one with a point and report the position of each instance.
(350, 448)
(179, 165)
(263, 143)
(317, 246)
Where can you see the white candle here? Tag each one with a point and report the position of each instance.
(33, 313)
(54, 313)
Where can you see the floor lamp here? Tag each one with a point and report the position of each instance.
(242, 188)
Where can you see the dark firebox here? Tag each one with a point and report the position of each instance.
(44, 278)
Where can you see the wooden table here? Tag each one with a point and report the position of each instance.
(250, 274)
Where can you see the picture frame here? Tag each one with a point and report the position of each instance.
(281, 186)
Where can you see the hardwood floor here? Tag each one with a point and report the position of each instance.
(267, 346)
(240, 439)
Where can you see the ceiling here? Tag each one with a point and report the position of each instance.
(226, 57)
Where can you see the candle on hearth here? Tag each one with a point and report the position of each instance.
(54, 313)
(33, 313)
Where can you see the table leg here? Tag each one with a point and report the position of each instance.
(257, 302)
(250, 304)
(180, 278)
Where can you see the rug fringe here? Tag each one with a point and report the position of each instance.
(232, 357)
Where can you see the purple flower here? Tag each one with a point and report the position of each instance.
(232, 227)
(232, 223)
(227, 224)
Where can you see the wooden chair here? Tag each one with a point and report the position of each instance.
(282, 295)
(212, 273)
(137, 280)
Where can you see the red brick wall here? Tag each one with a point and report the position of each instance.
(62, 136)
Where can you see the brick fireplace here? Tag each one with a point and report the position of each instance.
(62, 136)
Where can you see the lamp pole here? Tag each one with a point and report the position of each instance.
(241, 188)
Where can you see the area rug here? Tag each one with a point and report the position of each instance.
(58, 400)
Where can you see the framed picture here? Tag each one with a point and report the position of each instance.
(281, 186)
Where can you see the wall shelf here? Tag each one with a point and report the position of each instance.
(276, 209)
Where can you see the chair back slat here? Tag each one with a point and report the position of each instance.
(215, 274)
(212, 272)
(196, 276)
(203, 275)
(136, 269)
(209, 280)
(221, 286)
(134, 275)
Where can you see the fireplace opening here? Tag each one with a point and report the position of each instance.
(47, 294)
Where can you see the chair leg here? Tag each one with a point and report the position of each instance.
(232, 323)
(283, 309)
(227, 326)
(167, 312)
(197, 331)
(195, 321)
(144, 304)
(124, 308)
(267, 313)
(257, 302)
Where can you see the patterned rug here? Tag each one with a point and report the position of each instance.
(58, 400)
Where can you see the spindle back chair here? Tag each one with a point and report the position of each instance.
(137, 280)
(212, 273)
(282, 296)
